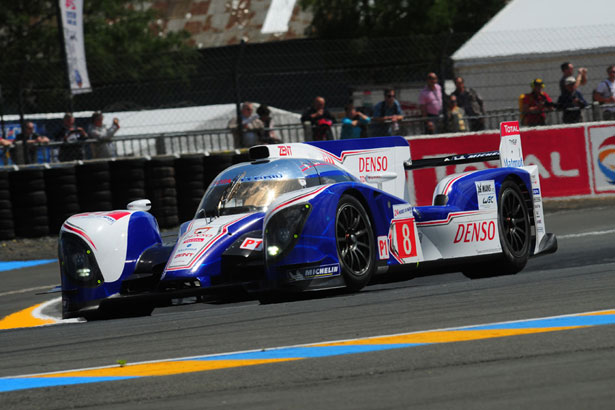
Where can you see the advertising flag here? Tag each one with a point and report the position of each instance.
(72, 26)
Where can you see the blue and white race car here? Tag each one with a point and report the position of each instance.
(307, 216)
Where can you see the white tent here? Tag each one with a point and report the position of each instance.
(171, 120)
(530, 39)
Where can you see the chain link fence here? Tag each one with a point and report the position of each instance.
(180, 90)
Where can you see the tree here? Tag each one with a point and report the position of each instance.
(393, 18)
(122, 40)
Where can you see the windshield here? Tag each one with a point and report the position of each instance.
(251, 187)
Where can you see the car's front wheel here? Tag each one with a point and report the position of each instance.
(355, 243)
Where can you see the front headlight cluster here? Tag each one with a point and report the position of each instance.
(284, 228)
(77, 261)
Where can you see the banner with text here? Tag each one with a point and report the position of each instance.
(560, 154)
(72, 25)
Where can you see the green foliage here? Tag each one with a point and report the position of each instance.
(392, 18)
(122, 44)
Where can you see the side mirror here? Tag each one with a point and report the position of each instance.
(140, 205)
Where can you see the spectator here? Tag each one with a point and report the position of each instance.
(605, 94)
(387, 115)
(269, 135)
(456, 121)
(430, 101)
(71, 136)
(6, 145)
(568, 71)
(536, 104)
(103, 135)
(472, 104)
(30, 140)
(571, 102)
(354, 124)
(252, 127)
(320, 120)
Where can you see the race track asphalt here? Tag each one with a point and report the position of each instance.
(564, 368)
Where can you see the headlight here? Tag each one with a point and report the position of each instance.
(77, 261)
(284, 228)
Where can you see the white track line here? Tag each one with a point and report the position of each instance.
(580, 235)
(14, 292)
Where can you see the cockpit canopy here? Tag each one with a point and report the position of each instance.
(252, 187)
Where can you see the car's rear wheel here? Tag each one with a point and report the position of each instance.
(355, 243)
(515, 235)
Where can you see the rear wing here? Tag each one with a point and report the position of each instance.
(510, 153)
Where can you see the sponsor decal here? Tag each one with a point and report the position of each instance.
(373, 164)
(402, 210)
(316, 272)
(536, 191)
(254, 244)
(202, 231)
(183, 255)
(509, 128)
(194, 240)
(383, 247)
(606, 159)
(475, 232)
(485, 192)
(285, 150)
(403, 239)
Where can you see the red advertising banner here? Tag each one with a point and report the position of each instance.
(560, 154)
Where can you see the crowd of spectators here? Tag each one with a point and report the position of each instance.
(462, 110)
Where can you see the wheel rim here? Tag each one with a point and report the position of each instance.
(515, 223)
(353, 240)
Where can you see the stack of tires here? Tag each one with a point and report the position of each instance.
(62, 198)
(160, 190)
(190, 185)
(127, 181)
(94, 186)
(7, 227)
(29, 200)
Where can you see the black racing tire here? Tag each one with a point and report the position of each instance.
(355, 243)
(8, 233)
(515, 235)
(515, 228)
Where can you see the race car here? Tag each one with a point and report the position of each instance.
(310, 216)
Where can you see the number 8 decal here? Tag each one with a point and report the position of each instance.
(404, 238)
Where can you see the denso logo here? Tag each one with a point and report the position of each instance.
(475, 232)
(285, 150)
(373, 164)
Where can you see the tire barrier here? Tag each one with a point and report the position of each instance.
(29, 203)
(7, 226)
(160, 190)
(127, 181)
(62, 197)
(94, 186)
(36, 201)
(190, 185)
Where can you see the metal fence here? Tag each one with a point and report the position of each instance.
(221, 140)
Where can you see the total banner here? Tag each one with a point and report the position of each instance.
(561, 155)
(602, 148)
(71, 12)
